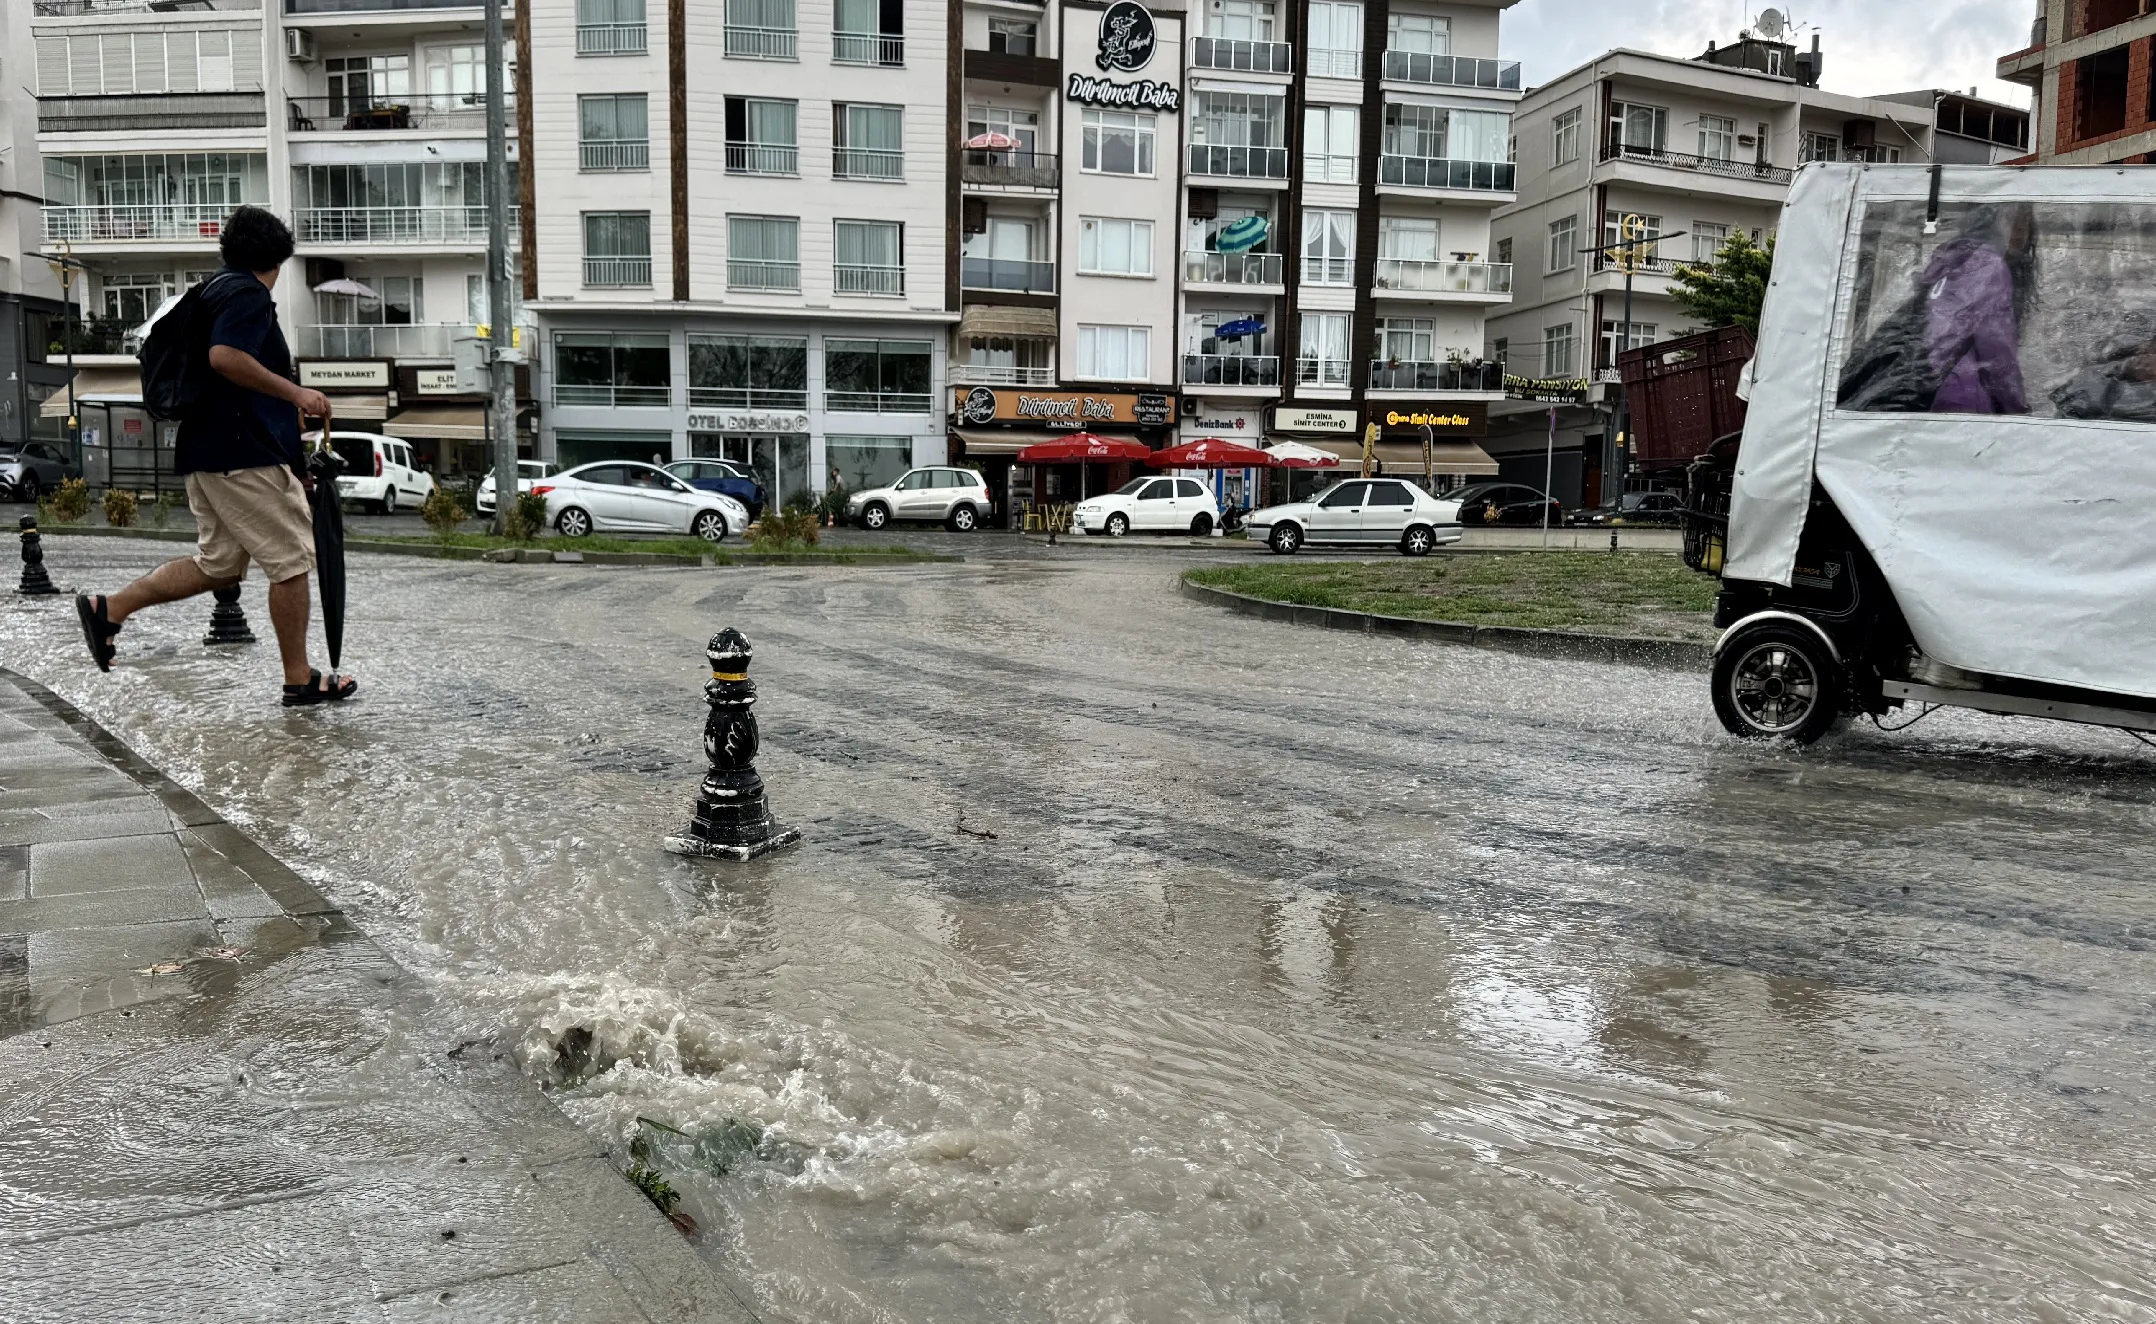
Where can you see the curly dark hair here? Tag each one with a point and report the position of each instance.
(254, 240)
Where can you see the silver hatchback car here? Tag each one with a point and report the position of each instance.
(955, 498)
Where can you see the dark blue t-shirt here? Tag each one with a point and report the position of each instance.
(233, 427)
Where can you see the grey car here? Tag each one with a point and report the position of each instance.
(1370, 512)
(32, 468)
(955, 498)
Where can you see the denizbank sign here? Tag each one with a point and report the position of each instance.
(1128, 39)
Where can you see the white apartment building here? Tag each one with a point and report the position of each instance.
(1698, 149)
(30, 307)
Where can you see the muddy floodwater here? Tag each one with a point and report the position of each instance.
(1148, 963)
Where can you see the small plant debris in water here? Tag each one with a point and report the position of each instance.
(644, 1172)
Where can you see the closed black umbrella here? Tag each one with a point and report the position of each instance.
(324, 465)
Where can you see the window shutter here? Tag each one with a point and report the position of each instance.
(247, 61)
(180, 68)
(215, 73)
(52, 76)
(150, 62)
(119, 63)
(84, 72)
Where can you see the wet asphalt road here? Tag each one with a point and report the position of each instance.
(1304, 976)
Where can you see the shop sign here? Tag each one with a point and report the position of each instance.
(742, 420)
(1457, 418)
(437, 381)
(1548, 390)
(978, 406)
(1145, 94)
(371, 374)
(1339, 422)
(1200, 425)
(1127, 38)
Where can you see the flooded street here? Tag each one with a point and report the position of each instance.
(1149, 963)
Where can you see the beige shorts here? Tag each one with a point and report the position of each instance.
(251, 514)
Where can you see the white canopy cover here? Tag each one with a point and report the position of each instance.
(2007, 486)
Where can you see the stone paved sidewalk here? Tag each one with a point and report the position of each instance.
(219, 1101)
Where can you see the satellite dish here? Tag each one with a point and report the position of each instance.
(1772, 24)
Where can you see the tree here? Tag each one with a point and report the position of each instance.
(1730, 290)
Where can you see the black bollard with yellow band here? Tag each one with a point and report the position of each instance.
(733, 818)
(228, 623)
(35, 582)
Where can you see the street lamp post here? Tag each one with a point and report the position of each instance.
(1632, 236)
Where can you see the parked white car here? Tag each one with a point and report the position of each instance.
(624, 496)
(955, 498)
(1150, 505)
(379, 472)
(1367, 512)
(529, 472)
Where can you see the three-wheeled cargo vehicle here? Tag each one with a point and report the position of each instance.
(1945, 489)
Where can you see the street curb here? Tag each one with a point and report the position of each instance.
(548, 556)
(1666, 654)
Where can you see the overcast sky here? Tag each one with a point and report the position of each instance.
(1870, 45)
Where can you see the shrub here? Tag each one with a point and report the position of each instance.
(790, 530)
(527, 518)
(121, 507)
(167, 502)
(67, 503)
(442, 513)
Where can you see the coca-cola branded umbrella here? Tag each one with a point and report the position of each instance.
(1212, 453)
(1085, 448)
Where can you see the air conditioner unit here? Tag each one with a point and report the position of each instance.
(299, 43)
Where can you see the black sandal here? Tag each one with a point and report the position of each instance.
(301, 696)
(97, 632)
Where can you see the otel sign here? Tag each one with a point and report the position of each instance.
(1128, 39)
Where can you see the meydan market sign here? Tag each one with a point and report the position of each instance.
(1128, 39)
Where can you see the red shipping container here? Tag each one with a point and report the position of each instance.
(1683, 395)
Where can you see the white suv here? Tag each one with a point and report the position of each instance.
(956, 498)
(378, 471)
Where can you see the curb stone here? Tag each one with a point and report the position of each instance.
(546, 556)
(1665, 654)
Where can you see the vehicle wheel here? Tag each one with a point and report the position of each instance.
(1202, 526)
(1287, 539)
(710, 525)
(875, 516)
(573, 522)
(1417, 541)
(28, 489)
(964, 520)
(1777, 681)
(389, 501)
(1118, 524)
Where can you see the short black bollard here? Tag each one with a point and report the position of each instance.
(733, 819)
(228, 624)
(35, 582)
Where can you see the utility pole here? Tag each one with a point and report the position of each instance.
(501, 330)
(1632, 236)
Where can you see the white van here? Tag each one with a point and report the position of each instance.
(379, 472)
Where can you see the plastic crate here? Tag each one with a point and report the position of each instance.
(1683, 396)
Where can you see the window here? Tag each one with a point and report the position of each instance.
(868, 142)
(1389, 494)
(1434, 133)
(1111, 247)
(869, 32)
(862, 462)
(761, 137)
(457, 77)
(1006, 256)
(612, 133)
(1013, 122)
(1501, 351)
(1240, 20)
(1565, 137)
(393, 203)
(1408, 238)
(1504, 252)
(149, 197)
(359, 82)
(1014, 36)
(748, 372)
(1347, 496)
(1564, 244)
(611, 368)
(1329, 247)
(1335, 35)
(870, 257)
(617, 248)
(1819, 147)
(1324, 357)
(1707, 240)
(132, 297)
(1115, 353)
(119, 63)
(1238, 133)
(1636, 128)
(1419, 34)
(876, 376)
(761, 30)
(397, 301)
(1118, 142)
(1406, 340)
(1330, 138)
(1614, 342)
(610, 27)
(763, 253)
(1717, 137)
(1019, 360)
(1559, 351)
(1647, 251)
(1203, 337)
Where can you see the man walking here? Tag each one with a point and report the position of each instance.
(239, 449)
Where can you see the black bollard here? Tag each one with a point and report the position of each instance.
(733, 819)
(35, 582)
(228, 624)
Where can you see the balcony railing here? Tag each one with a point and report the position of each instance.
(1444, 277)
(1321, 372)
(875, 48)
(1402, 375)
(762, 159)
(370, 6)
(878, 402)
(750, 274)
(1239, 162)
(1014, 169)
(1249, 57)
(867, 163)
(611, 39)
(79, 8)
(1328, 270)
(1325, 63)
(987, 374)
(621, 273)
(394, 225)
(613, 395)
(1234, 269)
(619, 155)
(424, 340)
(863, 278)
(1647, 265)
(1452, 71)
(744, 43)
(152, 112)
(987, 273)
(425, 114)
(746, 397)
(1231, 370)
(1438, 172)
(1704, 165)
(200, 223)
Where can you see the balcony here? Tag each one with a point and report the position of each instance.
(987, 374)
(753, 274)
(1321, 372)
(1452, 71)
(1328, 270)
(394, 225)
(1406, 276)
(1439, 173)
(984, 273)
(197, 223)
(1239, 162)
(868, 163)
(1325, 63)
(1245, 57)
(1402, 375)
(83, 8)
(618, 273)
(864, 278)
(878, 402)
(744, 43)
(425, 340)
(1234, 269)
(745, 397)
(614, 395)
(1239, 370)
(610, 39)
(1704, 165)
(164, 112)
(884, 50)
(762, 159)
(1009, 170)
(1645, 266)
(604, 157)
(423, 114)
(371, 6)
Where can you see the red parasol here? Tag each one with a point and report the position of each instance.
(991, 141)
(1084, 448)
(1212, 453)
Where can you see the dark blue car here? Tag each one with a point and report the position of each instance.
(719, 476)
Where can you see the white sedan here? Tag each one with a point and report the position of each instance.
(1150, 505)
(625, 496)
(1360, 512)
(529, 472)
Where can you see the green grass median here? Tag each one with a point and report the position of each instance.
(1645, 594)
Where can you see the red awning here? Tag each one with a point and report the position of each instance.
(1084, 448)
(1212, 453)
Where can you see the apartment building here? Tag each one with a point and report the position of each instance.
(1697, 149)
(31, 312)
(2088, 63)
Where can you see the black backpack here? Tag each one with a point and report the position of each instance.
(176, 356)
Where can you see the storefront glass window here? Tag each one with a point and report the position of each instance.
(858, 462)
(748, 372)
(877, 376)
